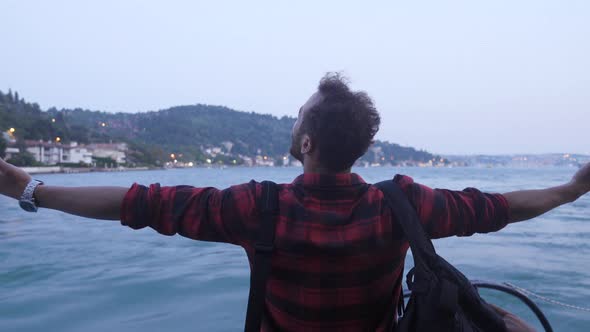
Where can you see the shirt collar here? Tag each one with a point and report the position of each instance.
(329, 180)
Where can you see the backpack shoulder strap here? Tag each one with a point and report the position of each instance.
(263, 248)
(421, 246)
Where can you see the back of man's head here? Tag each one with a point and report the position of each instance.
(341, 124)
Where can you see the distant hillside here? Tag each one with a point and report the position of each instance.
(186, 131)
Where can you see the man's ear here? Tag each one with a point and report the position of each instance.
(306, 144)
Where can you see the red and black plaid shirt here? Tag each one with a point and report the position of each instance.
(339, 253)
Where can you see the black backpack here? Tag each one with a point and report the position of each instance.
(442, 298)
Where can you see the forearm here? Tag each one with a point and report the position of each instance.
(527, 204)
(90, 202)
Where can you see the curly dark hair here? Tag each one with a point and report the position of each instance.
(342, 124)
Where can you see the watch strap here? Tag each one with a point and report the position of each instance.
(28, 193)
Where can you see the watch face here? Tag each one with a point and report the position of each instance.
(28, 206)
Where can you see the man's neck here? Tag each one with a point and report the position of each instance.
(310, 167)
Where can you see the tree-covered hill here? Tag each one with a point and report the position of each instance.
(186, 131)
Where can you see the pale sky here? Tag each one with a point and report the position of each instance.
(451, 77)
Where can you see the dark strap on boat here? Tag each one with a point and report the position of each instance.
(422, 248)
(263, 249)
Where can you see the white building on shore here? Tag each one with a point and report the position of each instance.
(49, 153)
(10, 152)
(76, 154)
(115, 151)
(52, 153)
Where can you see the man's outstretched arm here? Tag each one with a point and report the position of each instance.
(527, 204)
(445, 213)
(91, 202)
(207, 214)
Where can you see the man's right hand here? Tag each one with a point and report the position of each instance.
(581, 180)
(527, 204)
(13, 180)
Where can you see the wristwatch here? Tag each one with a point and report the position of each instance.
(27, 199)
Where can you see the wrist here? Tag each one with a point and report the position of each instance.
(27, 200)
(19, 189)
(38, 195)
(576, 190)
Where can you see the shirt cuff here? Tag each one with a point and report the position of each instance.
(504, 209)
(134, 207)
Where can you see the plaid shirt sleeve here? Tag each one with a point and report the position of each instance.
(445, 213)
(206, 214)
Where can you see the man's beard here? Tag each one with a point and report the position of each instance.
(296, 149)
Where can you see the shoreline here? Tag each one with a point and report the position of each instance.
(75, 170)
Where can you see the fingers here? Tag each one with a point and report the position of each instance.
(3, 165)
(13, 180)
(582, 178)
(499, 310)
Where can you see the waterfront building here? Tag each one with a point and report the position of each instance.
(115, 151)
(51, 153)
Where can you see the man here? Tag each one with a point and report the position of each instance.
(339, 253)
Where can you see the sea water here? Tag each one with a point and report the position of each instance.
(65, 273)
